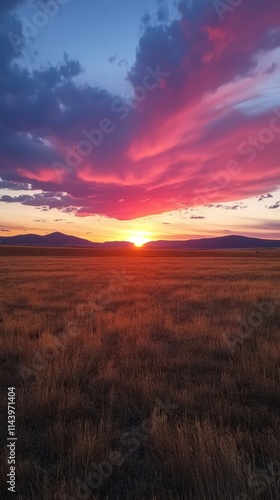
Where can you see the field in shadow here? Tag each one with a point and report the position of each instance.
(152, 378)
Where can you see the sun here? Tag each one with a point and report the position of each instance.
(139, 241)
(138, 237)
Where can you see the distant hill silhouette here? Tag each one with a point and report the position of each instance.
(219, 243)
(64, 240)
(58, 240)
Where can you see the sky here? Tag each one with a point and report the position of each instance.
(143, 119)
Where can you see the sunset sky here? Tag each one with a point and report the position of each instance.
(150, 118)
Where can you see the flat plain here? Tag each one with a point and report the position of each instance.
(142, 376)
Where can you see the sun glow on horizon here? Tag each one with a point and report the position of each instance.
(139, 240)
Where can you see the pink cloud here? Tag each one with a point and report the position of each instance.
(174, 145)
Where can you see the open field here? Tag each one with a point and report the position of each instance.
(133, 253)
(142, 365)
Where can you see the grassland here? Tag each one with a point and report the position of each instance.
(129, 360)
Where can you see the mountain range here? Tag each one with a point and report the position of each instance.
(64, 240)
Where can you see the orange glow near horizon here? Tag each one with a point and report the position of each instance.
(139, 242)
(139, 239)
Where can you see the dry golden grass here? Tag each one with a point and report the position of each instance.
(105, 338)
